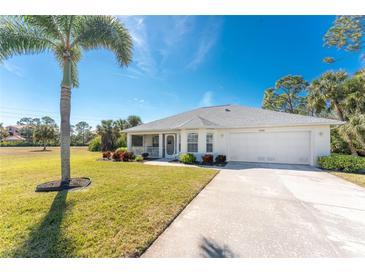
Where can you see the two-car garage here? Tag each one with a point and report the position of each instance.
(289, 147)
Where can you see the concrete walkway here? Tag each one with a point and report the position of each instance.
(266, 210)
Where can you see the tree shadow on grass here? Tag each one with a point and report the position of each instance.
(46, 239)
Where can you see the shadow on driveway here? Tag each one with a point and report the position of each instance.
(210, 249)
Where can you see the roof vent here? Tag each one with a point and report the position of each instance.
(227, 110)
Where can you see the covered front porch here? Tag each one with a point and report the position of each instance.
(157, 145)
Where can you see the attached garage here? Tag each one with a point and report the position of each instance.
(292, 147)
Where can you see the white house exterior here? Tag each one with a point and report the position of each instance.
(241, 133)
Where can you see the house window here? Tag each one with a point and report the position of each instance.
(209, 147)
(137, 140)
(193, 142)
(155, 141)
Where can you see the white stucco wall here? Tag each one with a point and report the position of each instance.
(319, 139)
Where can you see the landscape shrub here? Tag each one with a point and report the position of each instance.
(95, 144)
(207, 159)
(126, 156)
(220, 159)
(145, 155)
(139, 158)
(121, 149)
(187, 158)
(107, 155)
(116, 155)
(339, 162)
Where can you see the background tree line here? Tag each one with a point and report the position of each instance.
(334, 94)
(44, 132)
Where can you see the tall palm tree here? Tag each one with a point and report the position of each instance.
(329, 92)
(66, 37)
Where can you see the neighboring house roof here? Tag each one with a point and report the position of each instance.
(230, 116)
(14, 138)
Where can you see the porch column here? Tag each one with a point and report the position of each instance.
(160, 145)
(184, 146)
(129, 142)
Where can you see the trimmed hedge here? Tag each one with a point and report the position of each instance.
(339, 162)
(187, 158)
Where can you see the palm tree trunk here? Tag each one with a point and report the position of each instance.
(360, 139)
(350, 143)
(65, 111)
(339, 111)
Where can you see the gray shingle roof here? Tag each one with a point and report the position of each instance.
(230, 116)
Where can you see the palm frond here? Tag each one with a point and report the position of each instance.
(50, 24)
(18, 37)
(104, 32)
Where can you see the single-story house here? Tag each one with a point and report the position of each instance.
(241, 133)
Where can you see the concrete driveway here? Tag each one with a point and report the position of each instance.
(267, 210)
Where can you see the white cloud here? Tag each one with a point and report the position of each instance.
(207, 41)
(13, 69)
(142, 56)
(207, 99)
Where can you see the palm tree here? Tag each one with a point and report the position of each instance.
(133, 121)
(66, 37)
(109, 133)
(357, 128)
(44, 133)
(329, 93)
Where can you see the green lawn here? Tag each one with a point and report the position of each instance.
(126, 207)
(358, 179)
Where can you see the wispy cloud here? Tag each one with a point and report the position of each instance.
(143, 58)
(12, 68)
(207, 99)
(207, 41)
(174, 33)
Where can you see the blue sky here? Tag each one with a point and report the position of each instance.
(179, 63)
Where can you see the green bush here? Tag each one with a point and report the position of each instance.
(187, 158)
(121, 149)
(122, 141)
(339, 162)
(95, 144)
(138, 158)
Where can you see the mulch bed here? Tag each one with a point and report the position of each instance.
(74, 183)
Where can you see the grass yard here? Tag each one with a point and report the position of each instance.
(126, 207)
(358, 179)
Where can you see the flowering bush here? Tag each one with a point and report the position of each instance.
(107, 155)
(207, 159)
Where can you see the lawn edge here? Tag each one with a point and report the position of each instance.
(177, 214)
(346, 180)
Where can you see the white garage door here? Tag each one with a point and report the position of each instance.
(270, 147)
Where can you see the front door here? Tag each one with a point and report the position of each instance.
(170, 145)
